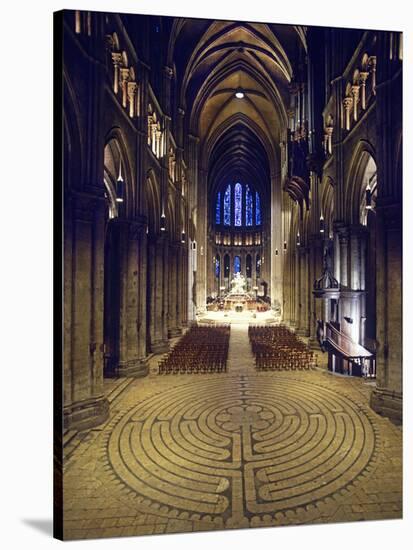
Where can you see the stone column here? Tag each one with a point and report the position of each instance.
(124, 78)
(347, 105)
(303, 326)
(355, 258)
(315, 269)
(276, 262)
(132, 360)
(160, 296)
(387, 396)
(85, 405)
(132, 87)
(373, 64)
(117, 60)
(355, 90)
(184, 285)
(179, 284)
(343, 236)
(363, 78)
(201, 275)
(152, 291)
(174, 328)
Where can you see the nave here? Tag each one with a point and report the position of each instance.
(240, 448)
(229, 173)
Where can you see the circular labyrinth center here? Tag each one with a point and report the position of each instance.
(239, 447)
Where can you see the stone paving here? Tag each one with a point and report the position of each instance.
(231, 450)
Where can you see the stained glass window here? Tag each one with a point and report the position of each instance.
(248, 206)
(218, 209)
(237, 264)
(217, 265)
(227, 206)
(257, 209)
(238, 203)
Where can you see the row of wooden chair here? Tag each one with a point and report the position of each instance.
(202, 350)
(278, 348)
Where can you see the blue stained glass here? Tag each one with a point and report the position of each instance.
(227, 206)
(218, 209)
(237, 264)
(257, 209)
(248, 206)
(217, 265)
(238, 204)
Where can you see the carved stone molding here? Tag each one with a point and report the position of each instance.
(124, 77)
(136, 368)
(117, 61)
(86, 414)
(387, 403)
(132, 87)
(347, 104)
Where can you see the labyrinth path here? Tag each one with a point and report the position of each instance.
(240, 445)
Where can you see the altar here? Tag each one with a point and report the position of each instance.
(238, 299)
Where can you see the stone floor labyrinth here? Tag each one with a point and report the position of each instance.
(231, 451)
(241, 448)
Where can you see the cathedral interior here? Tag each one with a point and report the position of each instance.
(232, 257)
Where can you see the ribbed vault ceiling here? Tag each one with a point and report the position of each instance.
(212, 59)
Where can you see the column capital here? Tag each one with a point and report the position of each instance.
(124, 73)
(132, 87)
(116, 58)
(372, 62)
(328, 130)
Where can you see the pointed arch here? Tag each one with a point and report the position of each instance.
(116, 162)
(152, 202)
(356, 184)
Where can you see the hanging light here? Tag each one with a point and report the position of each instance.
(368, 199)
(239, 94)
(119, 185)
(276, 251)
(298, 239)
(183, 237)
(163, 222)
(285, 246)
(321, 225)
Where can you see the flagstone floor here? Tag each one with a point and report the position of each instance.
(232, 450)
